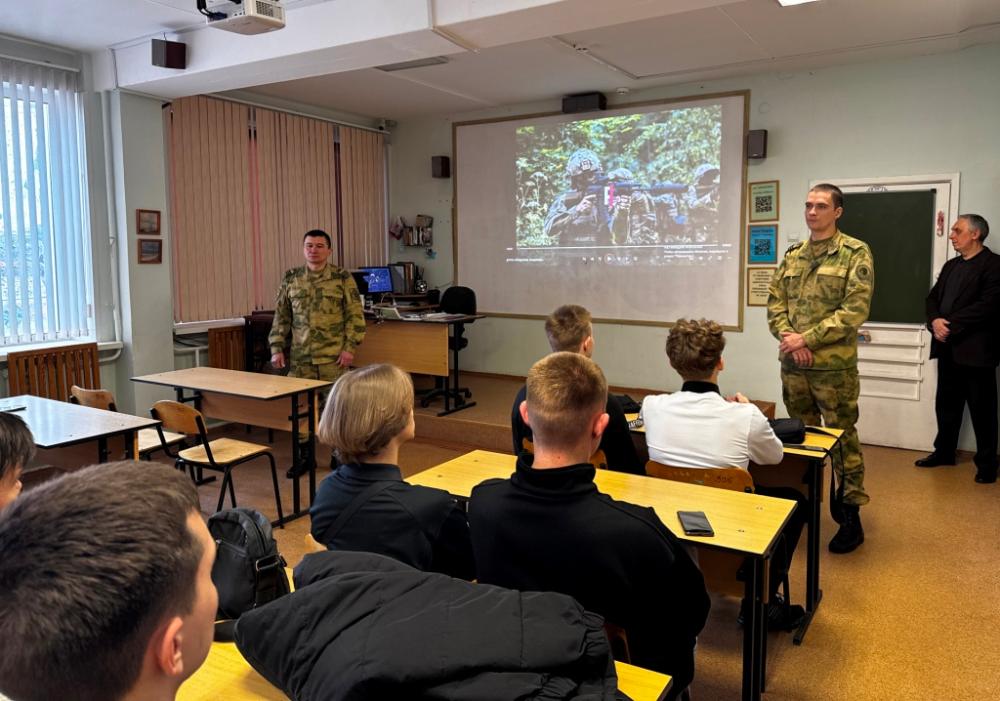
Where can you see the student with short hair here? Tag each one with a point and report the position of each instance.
(548, 528)
(699, 428)
(106, 589)
(570, 328)
(17, 447)
(365, 505)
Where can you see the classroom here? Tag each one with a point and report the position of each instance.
(427, 119)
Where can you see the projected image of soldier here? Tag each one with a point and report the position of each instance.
(633, 214)
(579, 216)
(703, 203)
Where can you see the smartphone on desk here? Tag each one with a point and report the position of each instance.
(695, 523)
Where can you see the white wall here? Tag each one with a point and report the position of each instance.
(932, 114)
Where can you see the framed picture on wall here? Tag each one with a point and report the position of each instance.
(762, 243)
(150, 251)
(763, 200)
(147, 222)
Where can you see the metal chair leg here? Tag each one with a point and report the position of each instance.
(232, 491)
(277, 492)
(222, 491)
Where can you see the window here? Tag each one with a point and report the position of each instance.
(46, 278)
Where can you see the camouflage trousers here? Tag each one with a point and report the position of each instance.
(833, 396)
(328, 372)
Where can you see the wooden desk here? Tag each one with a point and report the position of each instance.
(419, 346)
(57, 424)
(272, 401)
(226, 675)
(748, 524)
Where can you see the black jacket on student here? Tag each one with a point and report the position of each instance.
(551, 530)
(616, 442)
(423, 527)
(363, 626)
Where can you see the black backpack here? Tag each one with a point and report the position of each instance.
(248, 571)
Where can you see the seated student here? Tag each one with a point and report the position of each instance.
(17, 447)
(365, 505)
(548, 528)
(698, 428)
(106, 587)
(569, 328)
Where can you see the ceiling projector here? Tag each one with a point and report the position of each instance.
(246, 17)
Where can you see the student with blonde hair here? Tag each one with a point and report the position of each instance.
(365, 505)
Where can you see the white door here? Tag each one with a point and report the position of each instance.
(898, 379)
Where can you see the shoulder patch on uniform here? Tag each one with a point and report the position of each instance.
(864, 272)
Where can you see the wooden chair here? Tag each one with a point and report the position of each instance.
(599, 460)
(148, 438)
(222, 454)
(719, 568)
(618, 640)
(50, 372)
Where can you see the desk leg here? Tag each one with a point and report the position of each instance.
(297, 455)
(754, 630)
(129, 438)
(813, 593)
(102, 449)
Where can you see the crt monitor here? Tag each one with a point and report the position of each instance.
(378, 279)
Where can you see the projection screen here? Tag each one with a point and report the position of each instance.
(634, 212)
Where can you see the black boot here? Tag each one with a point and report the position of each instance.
(851, 534)
(304, 463)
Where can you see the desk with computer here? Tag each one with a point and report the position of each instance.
(414, 332)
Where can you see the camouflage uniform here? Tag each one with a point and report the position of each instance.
(823, 291)
(633, 223)
(563, 222)
(322, 312)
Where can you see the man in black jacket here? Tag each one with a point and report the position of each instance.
(547, 528)
(570, 328)
(963, 311)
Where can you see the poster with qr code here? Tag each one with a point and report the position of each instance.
(763, 201)
(762, 243)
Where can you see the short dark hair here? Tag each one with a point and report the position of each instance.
(836, 194)
(17, 445)
(695, 347)
(568, 327)
(977, 222)
(92, 564)
(318, 233)
(564, 390)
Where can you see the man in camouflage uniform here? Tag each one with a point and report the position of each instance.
(633, 215)
(319, 306)
(578, 217)
(819, 297)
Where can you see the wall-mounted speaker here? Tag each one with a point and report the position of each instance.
(440, 167)
(757, 143)
(169, 54)
(584, 102)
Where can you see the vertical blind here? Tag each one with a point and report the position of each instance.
(246, 184)
(46, 277)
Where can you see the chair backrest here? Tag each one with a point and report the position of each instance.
(50, 372)
(226, 348)
(178, 417)
(733, 478)
(599, 460)
(458, 300)
(94, 398)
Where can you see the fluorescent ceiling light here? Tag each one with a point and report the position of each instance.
(789, 3)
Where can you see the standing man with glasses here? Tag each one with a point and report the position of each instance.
(319, 308)
(819, 297)
(963, 314)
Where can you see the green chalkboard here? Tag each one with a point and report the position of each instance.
(899, 228)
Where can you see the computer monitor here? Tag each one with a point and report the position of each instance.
(377, 279)
(360, 281)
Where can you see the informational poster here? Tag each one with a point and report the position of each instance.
(758, 280)
(763, 200)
